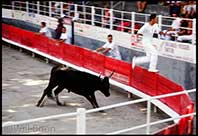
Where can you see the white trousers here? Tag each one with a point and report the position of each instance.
(151, 56)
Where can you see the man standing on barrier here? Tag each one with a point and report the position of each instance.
(147, 31)
(109, 48)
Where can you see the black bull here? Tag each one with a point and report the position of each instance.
(79, 82)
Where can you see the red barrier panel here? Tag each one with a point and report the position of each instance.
(6, 31)
(55, 48)
(15, 34)
(165, 86)
(144, 80)
(93, 61)
(40, 42)
(122, 70)
(186, 124)
(187, 105)
(183, 126)
(27, 38)
(73, 54)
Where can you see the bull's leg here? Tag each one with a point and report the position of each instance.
(94, 100)
(46, 92)
(91, 101)
(56, 92)
(53, 84)
(42, 97)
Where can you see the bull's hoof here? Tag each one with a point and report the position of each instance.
(102, 111)
(60, 104)
(51, 98)
(38, 104)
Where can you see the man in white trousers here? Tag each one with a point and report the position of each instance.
(147, 31)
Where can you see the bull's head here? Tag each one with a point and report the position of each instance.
(105, 85)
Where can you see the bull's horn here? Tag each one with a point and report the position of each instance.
(111, 74)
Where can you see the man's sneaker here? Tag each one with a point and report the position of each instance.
(153, 70)
(133, 62)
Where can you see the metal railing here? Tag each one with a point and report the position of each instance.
(81, 115)
(96, 15)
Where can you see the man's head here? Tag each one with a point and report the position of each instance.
(43, 24)
(63, 30)
(153, 19)
(110, 38)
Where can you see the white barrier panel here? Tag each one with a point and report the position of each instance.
(6, 13)
(170, 49)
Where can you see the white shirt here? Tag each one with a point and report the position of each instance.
(176, 23)
(114, 52)
(64, 37)
(46, 32)
(147, 31)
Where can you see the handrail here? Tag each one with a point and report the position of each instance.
(9, 123)
(150, 124)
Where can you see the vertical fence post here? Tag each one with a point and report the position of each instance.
(132, 23)
(76, 10)
(123, 5)
(38, 7)
(194, 31)
(102, 17)
(61, 9)
(12, 5)
(84, 14)
(50, 8)
(148, 116)
(92, 15)
(111, 19)
(122, 26)
(111, 4)
(160, 23)
(81, 121)
(27, 7)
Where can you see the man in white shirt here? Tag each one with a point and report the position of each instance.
(63, 37)
(109, 48)
(173, 30)
(44, 30)
(147, 31)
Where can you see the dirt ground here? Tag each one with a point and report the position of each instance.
(23, 80)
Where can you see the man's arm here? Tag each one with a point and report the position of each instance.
(140, 32)
(40, 33)
(61, 40)
(106, 50)
(100, 49)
